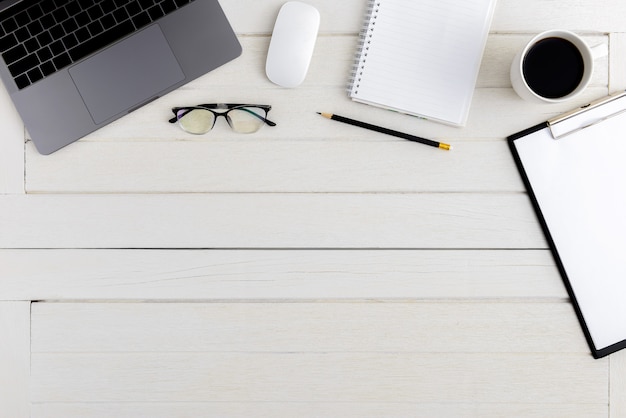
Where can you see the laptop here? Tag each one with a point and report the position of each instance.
(73, 66)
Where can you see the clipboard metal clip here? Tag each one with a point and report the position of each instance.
(588, 115)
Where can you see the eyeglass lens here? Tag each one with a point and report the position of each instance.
(242, 119)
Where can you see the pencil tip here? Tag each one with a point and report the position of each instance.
(319, 113)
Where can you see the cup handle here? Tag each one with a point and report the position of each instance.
(599, 51)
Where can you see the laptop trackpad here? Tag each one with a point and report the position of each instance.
(127, 74)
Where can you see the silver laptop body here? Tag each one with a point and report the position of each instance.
(73, 100)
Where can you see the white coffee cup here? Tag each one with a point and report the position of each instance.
(535, 75)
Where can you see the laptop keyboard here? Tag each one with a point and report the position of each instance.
(38, 38)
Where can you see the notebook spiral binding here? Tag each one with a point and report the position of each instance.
(365, 35)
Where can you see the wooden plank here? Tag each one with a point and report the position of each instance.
(313, 377)
(278, 274)
(581, 16)
(617, 385)
(617, 66)
(617, 382)
(510, 15)
(270, 221)
(12, 145)
(315, 409)
(303, 166)
(15, 359)
(442, 327)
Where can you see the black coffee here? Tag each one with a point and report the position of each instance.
(553, 67)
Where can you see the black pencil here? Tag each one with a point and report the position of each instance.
(387, 131)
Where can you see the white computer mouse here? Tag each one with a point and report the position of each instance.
(292, 44)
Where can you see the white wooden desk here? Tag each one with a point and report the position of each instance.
(312, 269)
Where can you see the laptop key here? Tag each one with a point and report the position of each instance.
(69, 41)
(107, 21)
(141, 20)
(70, 25)
(95, 28)
(57, 32)
(82, 35)
(35, 75)
(47, 68)
(120, 15)
(22, 34)
(8, 41)
(47, 6)
(35, 28)
(44, 54)
(23, 65)
(73, 8)
(102, 40)
(82, 19)
(155, 12)
(95, 12)
(22, 19)
(9, 25)
(35, 12)
(57, 48)
(60, 14)
(168, 6)
(62, 60)
(47, 21)
(44, 38)
(107, 6)
(14, 54)
(31, 45)
(133, 8)
(22, 81)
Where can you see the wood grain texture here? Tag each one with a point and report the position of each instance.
(292, 275)
(270, 221)
(258, 166)
(414, 327)
(617, 385)
(15, 359)
(11, 147)
(510, 15)
(316, 409)
(617, 65)
(311, 377)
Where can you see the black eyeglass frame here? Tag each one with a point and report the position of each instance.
(227, 106)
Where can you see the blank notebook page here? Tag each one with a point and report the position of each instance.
(423, 57)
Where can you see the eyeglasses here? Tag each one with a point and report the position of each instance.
(242, 118)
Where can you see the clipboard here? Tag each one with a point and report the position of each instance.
(574, 169)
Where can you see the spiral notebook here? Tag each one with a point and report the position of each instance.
(422, 58)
